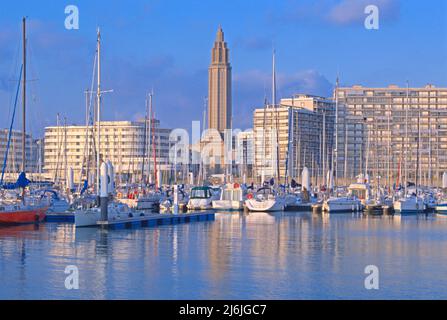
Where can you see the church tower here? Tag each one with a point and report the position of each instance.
(219, 86)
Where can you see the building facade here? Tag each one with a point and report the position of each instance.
(14, 161)
(296, 134)
(219, 86)
(406, 131)
(244, 153)
(124, 143)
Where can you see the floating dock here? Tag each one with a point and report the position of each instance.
(157, 219)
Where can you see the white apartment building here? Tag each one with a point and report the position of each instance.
(14, 161)
(396, 118)
(244, 153)
(124, 143)
(291, 136)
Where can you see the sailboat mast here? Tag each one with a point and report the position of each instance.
(144, 141)
(417, 151)
(406, 139)
(65, 152)
(149, 115)
(276, 117)
(154, 146)
(24, 98)
(336, 132)
(323, 147)
(98, 112)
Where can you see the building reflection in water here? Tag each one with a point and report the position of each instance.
(239, 255)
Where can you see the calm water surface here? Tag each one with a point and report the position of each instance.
(237, 256)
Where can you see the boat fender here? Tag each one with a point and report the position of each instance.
(130, 215)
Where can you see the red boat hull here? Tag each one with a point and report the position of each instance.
(26, 216)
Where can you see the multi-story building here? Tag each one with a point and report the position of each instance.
(14, 161)
(298, 133)
(396, 119)
(124, 143)
(244, 153)
(349, 154)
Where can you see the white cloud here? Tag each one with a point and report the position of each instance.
(338, 12)
(352, 11)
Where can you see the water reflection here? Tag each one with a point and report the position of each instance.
(239, 255)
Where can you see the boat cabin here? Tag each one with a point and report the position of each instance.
(201, 193)
(361, 191)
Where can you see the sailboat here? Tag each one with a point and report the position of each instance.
(21, 209)
(265, 200)
(89, 213)
(411, 203)
(146, 199)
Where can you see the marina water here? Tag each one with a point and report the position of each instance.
(237, 256)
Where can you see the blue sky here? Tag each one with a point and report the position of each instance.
(165, 45)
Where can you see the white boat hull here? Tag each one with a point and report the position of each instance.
(268, 205)
(200, 204)
(442, 209)
(90, 217)
(342, 205)
(228, 205)
(409, 206)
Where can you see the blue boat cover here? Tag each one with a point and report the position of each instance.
(22, 182)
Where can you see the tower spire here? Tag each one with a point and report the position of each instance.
(219, 91)
(220, 34)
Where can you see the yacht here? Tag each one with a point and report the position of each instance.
(201, 198)
(167, 203)
(19, 213)
(358, 196)
(141, 200)
(300, 201)
(89, 217)
(409, 205)
(441, 209)
(265, 200)
(231, 198)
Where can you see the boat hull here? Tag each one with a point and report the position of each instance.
(302, 207)
(342, 206)
(409, 207)
(441, 211)
(264, 206)
(228, 205)
(200, 204)
(23, 217)
(87, 218)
